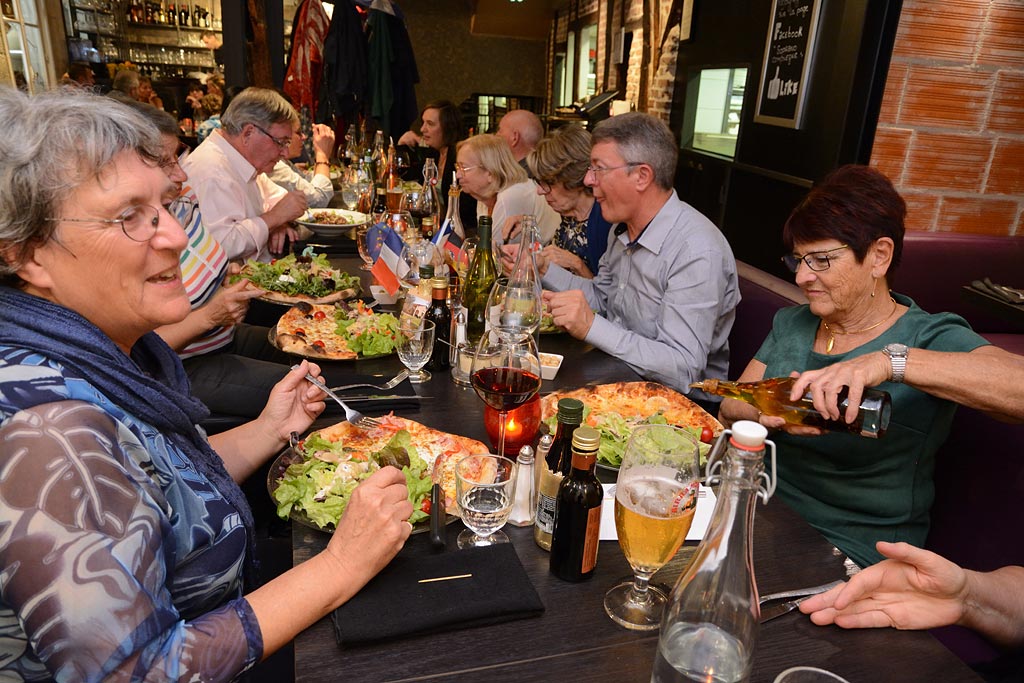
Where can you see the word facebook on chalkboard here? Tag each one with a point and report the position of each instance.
(788, 55)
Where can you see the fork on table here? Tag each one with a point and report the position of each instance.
(390, 384)
(353, 416)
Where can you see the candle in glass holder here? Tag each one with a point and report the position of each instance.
(521, 425)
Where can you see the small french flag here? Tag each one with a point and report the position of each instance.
(447, 238)
(385, 246)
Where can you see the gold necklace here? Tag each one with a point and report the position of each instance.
(832, 333)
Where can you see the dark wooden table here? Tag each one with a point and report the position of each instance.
(1012, 314)
(574, 640)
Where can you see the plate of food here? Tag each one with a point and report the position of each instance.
(548, 326)
(311, 481)
(331, 222)
(616, 409)
(306, 278)
(348, 330)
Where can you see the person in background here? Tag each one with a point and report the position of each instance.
(315, 184)
(210, 108)
(125, 85)
(231, 365)
(80, 75)
(488, 173)
(522, 130)
(913, 588)
(245, 211)
(845, 240)
(664, 298)
(153, 577)
(194, 100)
(215, 44)
(559, 164)
(146, 94)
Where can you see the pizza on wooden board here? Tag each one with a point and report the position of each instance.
(335, 459)
(617, 408)
(345, 331)
(307, 278)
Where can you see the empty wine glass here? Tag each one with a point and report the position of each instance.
(485, 487)
(655, 499)
(415, 342)
(505, 374)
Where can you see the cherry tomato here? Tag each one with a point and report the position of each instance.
(707, 435)
(319, 315)
(319, 343)
(425, 506)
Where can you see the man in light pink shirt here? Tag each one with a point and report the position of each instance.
(244, 210)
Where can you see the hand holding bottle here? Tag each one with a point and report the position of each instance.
(868, 370)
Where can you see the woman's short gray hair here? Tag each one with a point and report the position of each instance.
(496, 158)
(562, 157)
(642, 139)
(52, 143)
(259, 106)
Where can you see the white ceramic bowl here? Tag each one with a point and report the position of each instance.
(549, 364)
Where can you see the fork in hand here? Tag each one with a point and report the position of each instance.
(353, 416)
(390, 384)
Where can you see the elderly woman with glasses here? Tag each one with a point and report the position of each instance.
(559, 163)
(128, 545)
(845, 240)
(489, 173)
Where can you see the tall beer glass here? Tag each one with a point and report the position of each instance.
(655, 498)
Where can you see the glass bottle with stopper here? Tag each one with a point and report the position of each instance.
(709, 631)
(771, 397)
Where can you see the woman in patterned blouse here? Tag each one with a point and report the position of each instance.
(126, 543)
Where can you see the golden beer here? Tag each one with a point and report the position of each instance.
(652, 517)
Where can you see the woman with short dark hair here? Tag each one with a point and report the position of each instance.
(845, 240)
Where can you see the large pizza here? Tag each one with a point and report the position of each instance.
(343, 331)
(305, 278)
(328, 464)
(616, 409)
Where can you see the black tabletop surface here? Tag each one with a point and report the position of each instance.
(574, 639)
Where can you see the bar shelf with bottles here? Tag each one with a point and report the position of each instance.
(183, 16)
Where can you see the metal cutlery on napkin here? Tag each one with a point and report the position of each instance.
(770, 612)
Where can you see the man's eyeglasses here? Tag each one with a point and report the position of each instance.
(138, 222)
(599, 171)
(815, 260)
(179, 158)
(283, 143)
(462, 168)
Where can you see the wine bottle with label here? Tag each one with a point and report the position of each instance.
(576, 535)
(439, 314)
(477, 287)
(570, 416)
(771, 397)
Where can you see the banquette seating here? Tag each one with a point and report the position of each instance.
(978, 513)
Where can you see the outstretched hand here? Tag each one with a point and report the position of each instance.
(913, 589)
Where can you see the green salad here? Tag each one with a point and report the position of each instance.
(307, 274)
(320, 486)
(366, 333)
(615, 432)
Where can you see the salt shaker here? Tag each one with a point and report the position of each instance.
(523, 508)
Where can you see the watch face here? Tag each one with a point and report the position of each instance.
(896, 349)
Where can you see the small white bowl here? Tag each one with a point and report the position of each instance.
(382, 296)
(549, 364)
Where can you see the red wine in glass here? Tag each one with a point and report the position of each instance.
(505, 388)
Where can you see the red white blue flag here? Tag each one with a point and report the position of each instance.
(385, 246)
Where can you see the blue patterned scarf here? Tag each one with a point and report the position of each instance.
(151, 384)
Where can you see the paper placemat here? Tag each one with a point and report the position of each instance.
(701, 518)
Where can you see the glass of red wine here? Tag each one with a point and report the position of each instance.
(505, 374)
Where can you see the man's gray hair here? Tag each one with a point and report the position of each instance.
(642, 138)
(259, 106)
(125, 81)
(53, 143)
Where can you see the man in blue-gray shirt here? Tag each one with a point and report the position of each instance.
(665, 295)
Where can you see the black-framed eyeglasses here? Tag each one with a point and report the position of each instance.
(543, 185)
(599, 171)
(283, 143)
(138, 222)
(815, 260)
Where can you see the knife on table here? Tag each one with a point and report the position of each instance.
(437, 517)
(385, 397)
(778, 609)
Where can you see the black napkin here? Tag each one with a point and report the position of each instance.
(394, 603)
(339, 374)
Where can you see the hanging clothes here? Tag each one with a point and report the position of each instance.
(393, 72)
(306, 59)
(344, 83)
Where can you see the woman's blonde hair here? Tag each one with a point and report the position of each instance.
(495, 157)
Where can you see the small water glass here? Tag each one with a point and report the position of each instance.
(485, 487)
(415, 343)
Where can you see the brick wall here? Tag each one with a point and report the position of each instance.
(951, 129)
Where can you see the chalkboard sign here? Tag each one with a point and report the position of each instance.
(788, 54)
